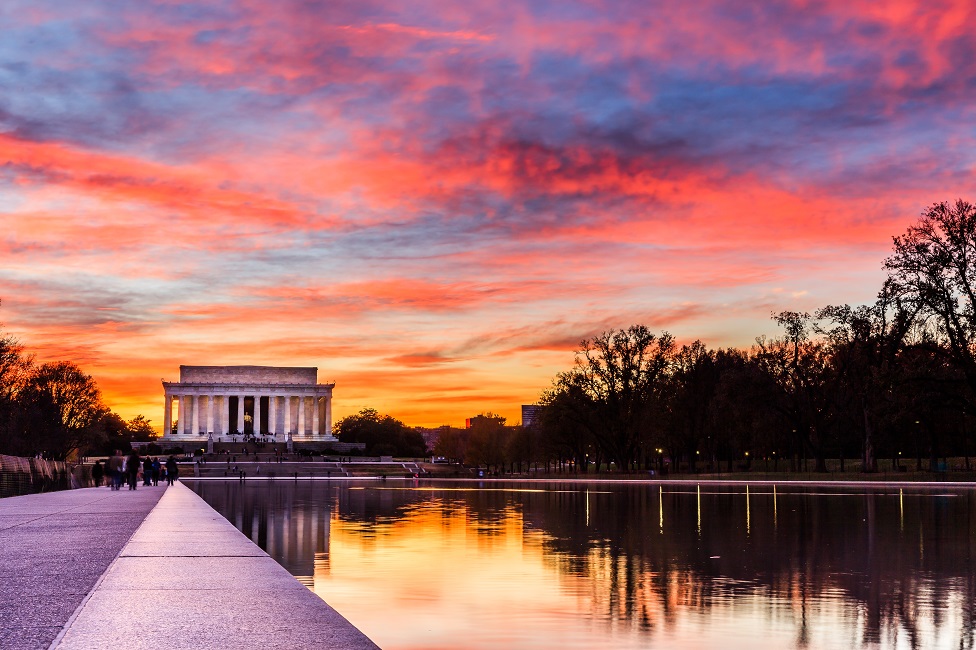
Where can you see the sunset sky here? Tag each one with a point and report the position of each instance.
(434, 202)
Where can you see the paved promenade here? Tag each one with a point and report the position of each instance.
(53, 549)
(185, 579)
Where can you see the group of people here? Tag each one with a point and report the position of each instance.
(119, 469)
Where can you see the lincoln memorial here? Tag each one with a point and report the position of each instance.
(224, 401)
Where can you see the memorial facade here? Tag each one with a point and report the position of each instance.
(228, 402)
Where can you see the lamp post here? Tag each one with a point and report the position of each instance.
(918, 446)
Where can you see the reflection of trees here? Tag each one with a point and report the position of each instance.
(891, 565)
(800, 549)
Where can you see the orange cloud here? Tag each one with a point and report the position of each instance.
(435, 203)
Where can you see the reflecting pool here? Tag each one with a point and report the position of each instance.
(621, 565)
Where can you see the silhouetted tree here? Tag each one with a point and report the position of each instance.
(693, 382)
(116, 434)
(383, 434)
(140, 428)
(740, 416)
(619, 376)
(933, 268)
(488, 441)
(452, 444)
(866, 345)
(61, 411)
(523, 446)
(15, 367)
(799, 369)
(566, 423)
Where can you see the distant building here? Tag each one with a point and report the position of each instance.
(530, 414)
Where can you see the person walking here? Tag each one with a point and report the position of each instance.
(172, 471)
(155, 471)
(147, 471)
(125, 470)
(132, 467)
(115, 465)
(97, 473)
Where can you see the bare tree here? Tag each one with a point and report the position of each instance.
(620, 377)
(865, 345)
(693, 384)
(567, 422)
(799, 369)
(933, 270)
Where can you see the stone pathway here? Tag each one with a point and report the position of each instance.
(54, 547)
(189, 579)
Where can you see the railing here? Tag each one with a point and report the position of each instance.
(30, 475)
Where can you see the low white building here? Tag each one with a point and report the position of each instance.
(225, 401)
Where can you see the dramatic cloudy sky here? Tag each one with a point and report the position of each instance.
(433, 202)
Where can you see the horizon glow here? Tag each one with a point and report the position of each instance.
(433, 203)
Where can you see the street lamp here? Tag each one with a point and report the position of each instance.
(918, 452)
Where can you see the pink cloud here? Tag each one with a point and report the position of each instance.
(304, 202)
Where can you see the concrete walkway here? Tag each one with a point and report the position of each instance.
(53, 549)
(188, 579)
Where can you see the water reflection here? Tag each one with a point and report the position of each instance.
(622, 565)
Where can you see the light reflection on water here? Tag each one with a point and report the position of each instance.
(455, 565)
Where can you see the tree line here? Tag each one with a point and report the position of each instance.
(894, 379)
(55, 410)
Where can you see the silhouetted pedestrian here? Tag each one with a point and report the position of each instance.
(132, 467)
(97, 473)
(155, 471)
(147, 471)
(115, 465)
(172, 470)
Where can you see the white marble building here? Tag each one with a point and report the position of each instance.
(225, 401)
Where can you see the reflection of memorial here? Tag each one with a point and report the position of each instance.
(292, 528)
(264, 401)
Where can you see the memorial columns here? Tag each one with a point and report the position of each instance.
(301, 416)
(328, 415)
(196, 415)
(257, 415)
(286, 402)
(315, 416)
(225, 420)
(188, 410)
(180, 414)
(272, 415)
(240, 414)
(210, 413)
(168, 415)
